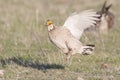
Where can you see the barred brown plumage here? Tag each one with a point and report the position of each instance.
(106, 20)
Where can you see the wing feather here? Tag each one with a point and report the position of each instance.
(78, 22)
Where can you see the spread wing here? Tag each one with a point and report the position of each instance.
(78, 22)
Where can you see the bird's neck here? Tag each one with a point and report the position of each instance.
(51, 27)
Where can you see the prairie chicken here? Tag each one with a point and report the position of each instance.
(106, 19)
(67, 37)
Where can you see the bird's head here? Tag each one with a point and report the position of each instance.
(50, 25)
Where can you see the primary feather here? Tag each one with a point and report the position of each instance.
(78, 22)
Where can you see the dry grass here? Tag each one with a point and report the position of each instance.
(27, 54)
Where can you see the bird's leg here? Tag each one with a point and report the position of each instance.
(68, 57)
(69, 51)
(69, 54)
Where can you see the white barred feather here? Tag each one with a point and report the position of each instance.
(78, 22)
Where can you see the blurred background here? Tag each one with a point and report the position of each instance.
(27, 54)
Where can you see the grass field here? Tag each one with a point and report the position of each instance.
(27, 54)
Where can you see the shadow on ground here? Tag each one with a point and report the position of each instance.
(29, 63)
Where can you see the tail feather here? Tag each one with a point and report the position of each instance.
(104, 8)
(108, 7)
(88, 49)
(91, 45)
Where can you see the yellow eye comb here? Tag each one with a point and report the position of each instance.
(49, 22)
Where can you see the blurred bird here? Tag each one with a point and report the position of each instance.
(106, 19)
(1, 73)
(67, 37)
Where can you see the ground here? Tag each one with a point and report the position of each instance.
(27, 54)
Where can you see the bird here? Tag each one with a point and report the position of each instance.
(67, 37)
(107, 19)
(1, 73)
